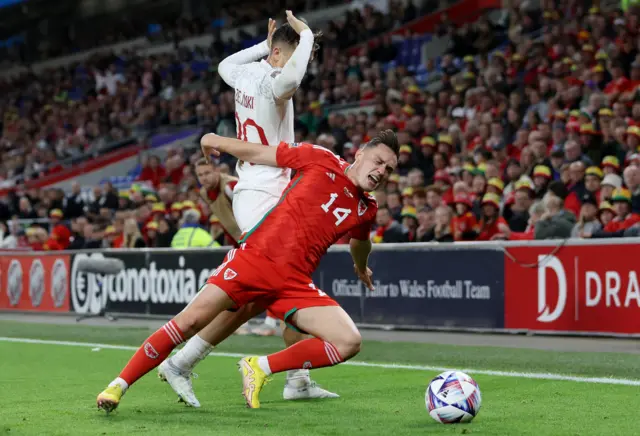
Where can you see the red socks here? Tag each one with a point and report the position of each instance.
(307, 354)
(152, 353)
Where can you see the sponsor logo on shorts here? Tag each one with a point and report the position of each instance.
(14, 282)
(362, 207)
(36, 282)
(307, 365)
(150, 351)
(230, 274)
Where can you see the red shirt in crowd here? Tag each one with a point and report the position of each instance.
(618, 223)
(487, 231)
(464, 223)
(155, 177)
(617, 86)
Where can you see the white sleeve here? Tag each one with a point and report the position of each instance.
(228, 68)
(285, 83)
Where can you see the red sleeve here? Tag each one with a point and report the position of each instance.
(521, 236)
(297, 156)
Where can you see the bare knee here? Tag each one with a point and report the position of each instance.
(348, 344)
(190, 322)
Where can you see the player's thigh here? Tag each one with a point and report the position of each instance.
(329, 323)
(245, 276)
(249, 207)
(206, 305)
(228, 322)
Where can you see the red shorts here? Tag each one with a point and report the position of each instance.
(246, 276)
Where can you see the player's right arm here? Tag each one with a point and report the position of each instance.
(284, 155)
(212, 144)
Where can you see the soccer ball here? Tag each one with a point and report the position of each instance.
(453, 397)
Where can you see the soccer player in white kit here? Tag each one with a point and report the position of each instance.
(264, 114)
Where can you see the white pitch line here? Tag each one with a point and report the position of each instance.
(528, 375)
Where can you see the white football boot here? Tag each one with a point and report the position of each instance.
(299, 386)
(180, 382)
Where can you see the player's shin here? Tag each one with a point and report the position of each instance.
(306, 354)
(153, 351)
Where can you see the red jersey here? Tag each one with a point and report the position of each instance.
(489, 230)
(618, 223)
(319, 206)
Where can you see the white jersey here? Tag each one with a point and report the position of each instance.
(262, 119)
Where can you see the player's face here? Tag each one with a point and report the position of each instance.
(206, 175)
(373, 166)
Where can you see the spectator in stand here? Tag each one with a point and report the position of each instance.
(190, 234)
(153, 172)
(556, 222)
(73, 204)
(632, 182)
(410, 223)
(132, 237)
(624, 218)
(588, 222)
(442, 231)
(92, 240)
(8, 239)
(25, 210)
(388, 229)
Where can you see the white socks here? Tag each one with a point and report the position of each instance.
(123, 384)
(193, 352)
(298, 378)
(263, 362)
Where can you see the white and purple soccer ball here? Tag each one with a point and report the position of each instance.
(453, 397)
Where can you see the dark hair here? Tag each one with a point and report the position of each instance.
(387, 137)
(286, 35)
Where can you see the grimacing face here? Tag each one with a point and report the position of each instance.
(373, 166)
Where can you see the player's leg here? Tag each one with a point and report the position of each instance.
(336, 340)
(299, 385)
(209, 302)
(249, 207)
(177, 370)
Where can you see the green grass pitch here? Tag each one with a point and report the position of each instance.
(51, 389)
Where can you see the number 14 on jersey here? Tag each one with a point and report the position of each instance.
(340, 213)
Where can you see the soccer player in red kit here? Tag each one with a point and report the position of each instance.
(326, 200)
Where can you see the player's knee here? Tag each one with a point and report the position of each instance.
(349, 344)
(191, 321)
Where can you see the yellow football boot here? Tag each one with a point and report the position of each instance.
(253, 379)
(109, 399)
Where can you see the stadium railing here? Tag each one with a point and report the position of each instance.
(575, 287)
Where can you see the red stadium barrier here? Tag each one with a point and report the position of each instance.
(465, 11)
(34, 283)
(582, 288)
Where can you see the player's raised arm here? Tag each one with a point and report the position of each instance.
(212, 144)
(229, 65)
(288, 81)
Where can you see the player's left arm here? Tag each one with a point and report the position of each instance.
(360, 251)
(212, 144)
(287, 82)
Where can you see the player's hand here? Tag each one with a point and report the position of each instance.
(270, 31)
(365, 277)
(295, 23)
(208, 146)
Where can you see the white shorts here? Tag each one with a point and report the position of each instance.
(250, 206)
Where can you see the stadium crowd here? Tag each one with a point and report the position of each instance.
(532, 137)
